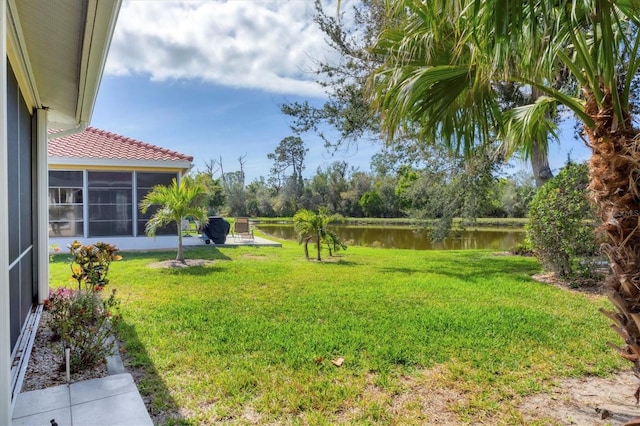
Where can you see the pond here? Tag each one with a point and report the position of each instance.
(405, 237)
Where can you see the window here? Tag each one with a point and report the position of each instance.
(110, 204)
(21, 186)
(145, 182)
(65, 204)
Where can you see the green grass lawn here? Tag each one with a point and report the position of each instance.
(251, 337)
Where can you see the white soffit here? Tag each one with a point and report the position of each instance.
(63, 45)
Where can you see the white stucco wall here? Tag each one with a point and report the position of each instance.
(131, 243)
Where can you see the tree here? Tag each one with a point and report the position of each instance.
(336, 175)
(306, 224)
(213, 197)
(289, 154)
(372, 204)
(359, 184)
(311, 226)
(440, 65)
(176, 202)
(259, 199)
(348, 109)
(287, 201)
(333, 241)
(233, 183)
(516, 193)
(535, 147)
(449, 187)
(386, 189)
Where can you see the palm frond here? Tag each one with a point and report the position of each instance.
(528, 124)
(176, 201)
(160, 219)
(442, 59)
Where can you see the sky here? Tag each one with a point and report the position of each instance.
(207, 78)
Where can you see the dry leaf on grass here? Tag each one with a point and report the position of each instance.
(337, 362)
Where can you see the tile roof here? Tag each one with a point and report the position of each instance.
(100, 144)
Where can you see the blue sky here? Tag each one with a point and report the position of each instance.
(207, 78)
(209, 121)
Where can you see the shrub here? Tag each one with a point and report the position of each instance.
(561, 221)
(90, 263)
(83, 321)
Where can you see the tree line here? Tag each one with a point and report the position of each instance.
(434, 184)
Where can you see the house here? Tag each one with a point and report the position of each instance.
(96, 181)
(53, 55)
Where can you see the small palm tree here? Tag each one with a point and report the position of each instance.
(333, 242)
(311, 226)
(305, 223)
(176, 202)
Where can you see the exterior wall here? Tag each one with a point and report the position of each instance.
(5, 334)
(129, 243)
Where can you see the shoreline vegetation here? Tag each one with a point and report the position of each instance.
(484, 222)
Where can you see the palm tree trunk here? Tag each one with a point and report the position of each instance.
(615, 177)
(540, 163)
(318, 247)
(306, 248)
(539, 157)
(180, 255)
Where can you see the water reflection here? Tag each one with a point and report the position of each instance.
(407, 238)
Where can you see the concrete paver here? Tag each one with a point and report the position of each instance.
(109, 401)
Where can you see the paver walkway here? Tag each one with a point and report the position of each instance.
(109, 401)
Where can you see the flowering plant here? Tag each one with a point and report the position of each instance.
(90, 263)
(83, 321)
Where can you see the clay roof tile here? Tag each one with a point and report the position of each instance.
(100, 144)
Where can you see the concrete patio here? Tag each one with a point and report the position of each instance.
(195, 240)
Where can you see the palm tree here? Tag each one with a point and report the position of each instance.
(441, 62)
(333, 242)
(176, 202)
(303, 224)
(311, 226)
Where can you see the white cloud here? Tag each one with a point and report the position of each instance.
(258, 44)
